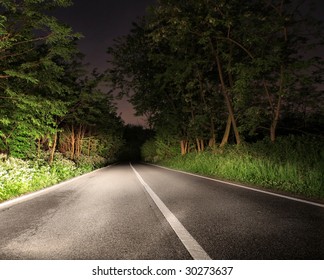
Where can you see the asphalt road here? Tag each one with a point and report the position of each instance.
(115, 213)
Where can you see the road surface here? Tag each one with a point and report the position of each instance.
(134, 212)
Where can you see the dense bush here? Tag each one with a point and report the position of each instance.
(88, 163)
(160, 148)
(19, 176)
(148, 151)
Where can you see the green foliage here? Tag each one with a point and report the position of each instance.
(166, 147)
(34, 47)
(192, 63)
(148, 151)
(62, 168)
(91, 126)
(158, 149)
(47, 102)
(22, 145)
(19, 176)
(292, 164)
(44, 92)
(88, 163)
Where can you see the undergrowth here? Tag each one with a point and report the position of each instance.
(19, 176)
(292, 164)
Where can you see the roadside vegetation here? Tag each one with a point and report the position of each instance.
(233, 89)
(292, 164)
(229, 89)
(18, 176)
(56, 119)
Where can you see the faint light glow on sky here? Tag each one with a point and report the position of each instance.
(100, 22)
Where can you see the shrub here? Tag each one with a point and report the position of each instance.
(19, 176)
(166, 148)
(88, 163)
(148, 151)
(63, 168)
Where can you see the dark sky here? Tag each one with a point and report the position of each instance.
(100, 21)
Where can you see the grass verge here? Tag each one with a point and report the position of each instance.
(285, 166)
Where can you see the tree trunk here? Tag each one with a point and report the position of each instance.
(79, 139)
(53, 149)
(184, 147)
(207, 110)
(277, 109)
(227, 132)
(227, 99)
(182, 144)
(89, 146)
(212, 139)
(275, 120)
(72, 143)
(202, 145)
(230, 111)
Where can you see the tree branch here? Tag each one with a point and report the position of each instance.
(17, 54)
(268, 94)
(238, 44)
(32, 40)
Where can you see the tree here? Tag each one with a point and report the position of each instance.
(33, 49)
(281, 65)
(47, 101)
(91, 125)
(199, 67)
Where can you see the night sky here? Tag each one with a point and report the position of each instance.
(101, 21)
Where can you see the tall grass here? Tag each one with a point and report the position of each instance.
(294, 165)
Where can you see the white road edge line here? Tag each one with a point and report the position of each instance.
(194, 249)
(40, 192)
(241, 186)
